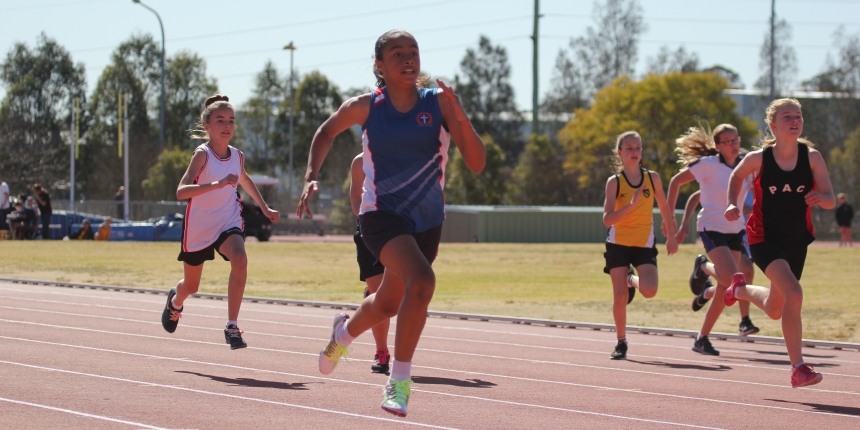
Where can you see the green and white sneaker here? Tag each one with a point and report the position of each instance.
(333, 351)
(395, 396)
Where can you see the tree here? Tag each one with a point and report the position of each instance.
(845, 166)
(488, 97)
(667, 61)
(164, 176)
(261, 128)
(568, 89)
(35, 113)
(538, 175)
(464, 187)
(731, 76)
(316, 99)
(187, 87)
(660, 108)
(785, 60)
(134, 71)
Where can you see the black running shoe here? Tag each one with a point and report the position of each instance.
(631, 292)
(703, 346)
(746, 327)
(380, 362)
(700, 301)
(170, 316)
(234, 337)
(698, 277)
(620, 352)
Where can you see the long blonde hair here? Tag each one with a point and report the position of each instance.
(698, 142)
(617, 163)
(211, 104)
(770, 116)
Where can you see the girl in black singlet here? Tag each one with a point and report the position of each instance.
(791, 177)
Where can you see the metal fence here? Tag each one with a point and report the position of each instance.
(138, 210)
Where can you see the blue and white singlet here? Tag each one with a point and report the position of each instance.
(404, 160)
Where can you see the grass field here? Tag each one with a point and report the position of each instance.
(557, 281)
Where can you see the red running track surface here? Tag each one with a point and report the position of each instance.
(73, 358)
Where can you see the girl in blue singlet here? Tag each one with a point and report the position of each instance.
(406, 130)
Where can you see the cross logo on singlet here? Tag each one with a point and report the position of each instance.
(424, 118)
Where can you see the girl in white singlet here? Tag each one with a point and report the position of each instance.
(213, 218)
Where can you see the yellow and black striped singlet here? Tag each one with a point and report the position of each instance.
(637, 227)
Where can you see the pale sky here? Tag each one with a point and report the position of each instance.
(336, 37)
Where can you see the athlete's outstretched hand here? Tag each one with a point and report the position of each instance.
(671, 246)
(453, 101)
(304, 202)
(813, 198)
(271, 214)
(682, 233)
(732, 213)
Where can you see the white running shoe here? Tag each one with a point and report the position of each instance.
(333, 351)
(395, 396)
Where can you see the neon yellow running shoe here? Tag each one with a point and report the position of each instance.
(333, 351)
(395, 396)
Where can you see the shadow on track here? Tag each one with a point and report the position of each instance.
(248, 382)
(775, 362)
(468, 383)
(818, 407)
(715, 368)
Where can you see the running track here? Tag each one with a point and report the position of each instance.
(76, 358)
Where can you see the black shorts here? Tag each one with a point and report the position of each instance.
(623, 256)
(197, 258)
(379, 227)
(713, 239)
(367, 267)
(765, 253)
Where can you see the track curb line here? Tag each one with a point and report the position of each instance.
(808, 343)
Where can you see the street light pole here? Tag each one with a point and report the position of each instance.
(292, 49)
(161, 110)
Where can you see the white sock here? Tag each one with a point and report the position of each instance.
(173, 303)
(799, 364)
(342, 336)
(699, 336)
(630, 281)
(232, 322)
(401, 371)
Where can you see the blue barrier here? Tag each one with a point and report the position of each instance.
(167, 228)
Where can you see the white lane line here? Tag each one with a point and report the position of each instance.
(569, 384)
(232, 396)
(708, 363)
(429, 325)
(82, 414)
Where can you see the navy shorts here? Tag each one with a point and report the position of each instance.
(379, 227)
(765, 253)
(624, 256)
(197, 258)
(713, 239)
(367, 267)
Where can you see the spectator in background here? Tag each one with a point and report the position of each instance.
(45, 210)
(120, 206)
(17, 220)
(84, 233)
(5, 208)
(104, 230)
(32, 221)
(844, 216)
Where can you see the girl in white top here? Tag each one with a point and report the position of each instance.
(710, 159)
(213, 218)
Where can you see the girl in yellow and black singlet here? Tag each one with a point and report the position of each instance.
(628, 213)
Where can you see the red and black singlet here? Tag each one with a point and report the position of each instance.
(780, 213)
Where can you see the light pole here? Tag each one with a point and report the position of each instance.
(161, 111)
(292, 49)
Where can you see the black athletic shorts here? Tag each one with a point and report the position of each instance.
(367, 267)
(379, 227)
(765, 253)
(197, 258)
(713, 239)
(623, 256)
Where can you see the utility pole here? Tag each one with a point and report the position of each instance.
(125, 202)
(161, 111)
(773, 50)
(72, 144)
(535, 111)
(292, 48)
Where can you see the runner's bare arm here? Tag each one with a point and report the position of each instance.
(822, 195)
(464, 134)
(355, 183)
(251, 188)
(667, 213)
(749, 165)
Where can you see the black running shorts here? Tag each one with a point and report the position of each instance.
(197, 258)
(379, 227)
(713, 239)
(765, 253)
(624, 256)
(367, 267)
